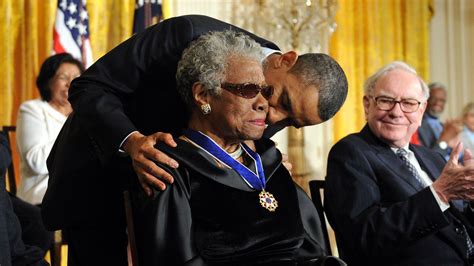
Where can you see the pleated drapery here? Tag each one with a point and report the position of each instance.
(370, 34)
(26, 34)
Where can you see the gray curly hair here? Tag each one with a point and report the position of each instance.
(369, 84)
(206, 58)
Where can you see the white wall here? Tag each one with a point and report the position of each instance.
(451, 52)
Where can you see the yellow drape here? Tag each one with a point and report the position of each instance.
(370, 34)
(26, 32)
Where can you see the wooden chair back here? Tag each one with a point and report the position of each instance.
(316, 187)
(132, 245)
(11, 178)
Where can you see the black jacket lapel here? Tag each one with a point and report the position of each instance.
(429, 166)
(388, 157)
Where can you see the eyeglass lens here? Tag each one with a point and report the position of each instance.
(407, 105)
(249, 90)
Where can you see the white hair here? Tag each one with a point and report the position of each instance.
(370, 82)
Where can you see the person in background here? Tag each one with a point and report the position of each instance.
(389, 202)
(228, 203)
(467, 134)
(13, 251)
(433, 133)
(39, 122)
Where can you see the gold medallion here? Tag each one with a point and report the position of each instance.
(268, 201)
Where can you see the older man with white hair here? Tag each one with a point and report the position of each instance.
(389, 201)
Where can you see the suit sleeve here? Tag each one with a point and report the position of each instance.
(365, 223)
(103, 95)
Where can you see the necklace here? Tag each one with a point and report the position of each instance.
(237, 153)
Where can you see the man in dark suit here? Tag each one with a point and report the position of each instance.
(13, 251)
(126, 99)
(389, 201)
(433, 133)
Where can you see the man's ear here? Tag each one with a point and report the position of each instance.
(288, 59)
(366, 102)
(200, 94)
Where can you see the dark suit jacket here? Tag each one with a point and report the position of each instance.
(12, 249)
(428, 138)
(210, 216)
(131, 88)
(379, 216)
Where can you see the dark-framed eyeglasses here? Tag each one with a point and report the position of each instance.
(248, 90)
(386, 104)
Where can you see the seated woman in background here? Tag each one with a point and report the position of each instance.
(228, 204)
(467, 134)
(39, 122)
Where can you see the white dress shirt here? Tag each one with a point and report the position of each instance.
(423, 175)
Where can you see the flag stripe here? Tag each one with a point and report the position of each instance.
(70, 33)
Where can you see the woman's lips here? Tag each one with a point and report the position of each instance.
(258, 122)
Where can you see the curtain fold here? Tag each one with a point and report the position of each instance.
(370, 34)
(26, 34)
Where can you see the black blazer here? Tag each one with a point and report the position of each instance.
(426, 133)
(12, 248)
(379, 216)
(428, 138)
(130, 88)
(210, 216)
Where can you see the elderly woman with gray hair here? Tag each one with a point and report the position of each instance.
(229, 203)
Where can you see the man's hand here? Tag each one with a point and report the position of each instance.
(144, 155)
(468, 158)
(456, 181)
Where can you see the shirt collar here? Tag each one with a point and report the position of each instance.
(404, 147)
(268, 51)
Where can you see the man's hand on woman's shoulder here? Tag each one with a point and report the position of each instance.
(144, 155)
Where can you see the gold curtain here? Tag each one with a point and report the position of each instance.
(370, 34)
(26, 33)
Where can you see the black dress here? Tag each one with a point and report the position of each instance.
(210, 216)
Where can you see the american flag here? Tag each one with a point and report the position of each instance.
(147, 12)
(71, 30)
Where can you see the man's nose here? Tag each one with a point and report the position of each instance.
(397, 109)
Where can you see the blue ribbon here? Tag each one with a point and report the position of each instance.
(256, 181)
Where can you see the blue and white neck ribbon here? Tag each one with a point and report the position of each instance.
(256, 181)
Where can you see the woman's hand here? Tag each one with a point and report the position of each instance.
(144, 155)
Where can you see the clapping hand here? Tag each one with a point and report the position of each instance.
(456, 180)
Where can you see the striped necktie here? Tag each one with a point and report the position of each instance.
(403, 154)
